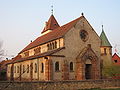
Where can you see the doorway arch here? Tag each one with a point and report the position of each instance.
(87, 65)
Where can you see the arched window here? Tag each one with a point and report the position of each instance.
(42, 68)
(105, 51)
(55, 44)
(50, 46)
(17, 69)
(71, 66)
(35, 67)
(23, 68)
(27, 68)
(39, 49)
(14, 69)
(57, 66)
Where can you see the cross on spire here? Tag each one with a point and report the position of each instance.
(52, 9)
(102, 28)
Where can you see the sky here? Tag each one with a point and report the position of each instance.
(23, 20)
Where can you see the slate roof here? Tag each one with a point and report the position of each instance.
(55, 34)
(104, 39)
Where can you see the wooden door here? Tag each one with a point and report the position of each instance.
(88, 73)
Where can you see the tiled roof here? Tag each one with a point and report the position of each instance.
(13, 59)
(3, 64)
(104, 39)
(49, 53)
(55, 34)
(51, 24)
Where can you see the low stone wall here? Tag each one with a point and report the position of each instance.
(59, 85)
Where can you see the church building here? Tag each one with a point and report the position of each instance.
(69, 52)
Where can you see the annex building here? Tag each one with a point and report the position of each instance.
(73, 51)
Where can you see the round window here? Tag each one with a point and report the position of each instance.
(84, 35)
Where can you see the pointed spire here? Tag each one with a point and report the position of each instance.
(51, 24)
(104, 39)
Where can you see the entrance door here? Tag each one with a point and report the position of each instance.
(88, 71)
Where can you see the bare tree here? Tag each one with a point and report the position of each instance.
(1, 50)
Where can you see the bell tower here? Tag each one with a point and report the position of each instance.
(51, 25)
(106, 51)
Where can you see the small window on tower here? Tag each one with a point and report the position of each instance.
(105, 52)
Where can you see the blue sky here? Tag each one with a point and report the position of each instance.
(22, 20)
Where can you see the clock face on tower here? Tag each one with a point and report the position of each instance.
(84, 35)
